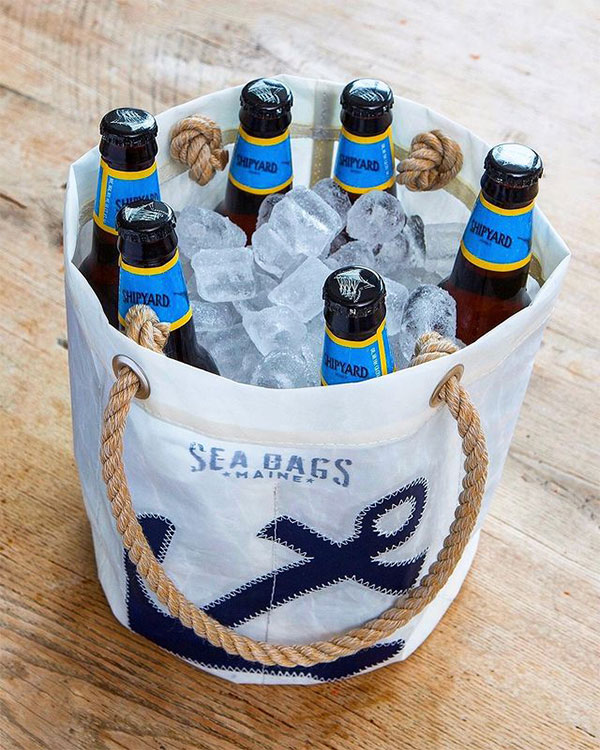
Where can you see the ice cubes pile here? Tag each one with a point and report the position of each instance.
(259, 309)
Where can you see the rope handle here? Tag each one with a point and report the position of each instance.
(143, 326)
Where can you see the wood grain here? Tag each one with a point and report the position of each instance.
(514, 664)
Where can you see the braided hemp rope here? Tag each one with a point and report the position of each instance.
(431, 346)
(433, 161)
(197, 142)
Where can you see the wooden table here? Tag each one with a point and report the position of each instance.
(514, 662)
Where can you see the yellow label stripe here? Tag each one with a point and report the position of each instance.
(263, 141)
(356, 344)
(98, 221)
(182, 320)
(489, 265)
(367, 138)
(382, 357)
(102, 207)
(122, 175)
(174, 325)
(506, 211)
(352, 189)
(150, 271)
(260, 191)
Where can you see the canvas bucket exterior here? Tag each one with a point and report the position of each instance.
(291, 515)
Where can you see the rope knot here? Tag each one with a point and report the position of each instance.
(197, 142)
(143, 326)
(431, 346)
(433, 161)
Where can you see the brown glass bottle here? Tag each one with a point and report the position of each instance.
(261, 162)
(489, 277)
(150, 274)
(356, 345)
(365, 155)
(127, 172)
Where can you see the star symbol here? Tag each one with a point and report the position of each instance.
(309, 480)
(226, 474)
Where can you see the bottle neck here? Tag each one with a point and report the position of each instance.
(353, 328)
(147, 254)
(129, 158)
(366, 126)
(261, 127)
(504, 196)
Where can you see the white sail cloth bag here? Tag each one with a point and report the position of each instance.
(291, 517)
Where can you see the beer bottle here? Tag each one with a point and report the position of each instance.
(356, 344)
(127, 172)
(490, 271)
(262, 157)
(150, 274)
(365, 155)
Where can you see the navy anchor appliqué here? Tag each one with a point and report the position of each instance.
(325, 563)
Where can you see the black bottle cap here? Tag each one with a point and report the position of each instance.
(127, 126)
(354, 291)
(267, 98)
(367, 97)
(513, 165)
(144, 221)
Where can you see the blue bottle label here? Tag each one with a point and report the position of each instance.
(352, 361)
(261, 165)
(161, 288)
(498, 239)
(117, 188)
(364, 163)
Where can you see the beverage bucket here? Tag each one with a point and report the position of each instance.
(292, 536)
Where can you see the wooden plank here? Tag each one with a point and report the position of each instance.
(514, 664)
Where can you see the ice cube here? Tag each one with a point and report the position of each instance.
(428, 308)
(211, 316)
(254, 304)
(264, 281)
(233, 351)
(375, 217)
(305, 222)
(274, 328)
(390, 260)
(271, 251)
(251, 359)
(282, 368)
(333, 195)
(400, 361)
(302, 290)
(395, 302)
(188, 272)
(224, 274)
(414, 231)
(199, 228)
(264, 212)
(414, 277)
(339, 241)
(355, 253)
(405, 251)
(312, 348)
(442, 242)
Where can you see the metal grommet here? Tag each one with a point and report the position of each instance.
(456, 372)
(119, 361)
